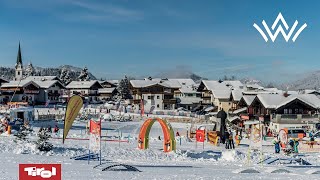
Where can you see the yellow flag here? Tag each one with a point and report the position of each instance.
(74, 105)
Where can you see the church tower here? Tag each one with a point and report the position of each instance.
(19, 66)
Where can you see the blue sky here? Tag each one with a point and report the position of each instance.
(141, 38)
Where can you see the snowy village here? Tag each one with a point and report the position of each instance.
(136, 128)
(161, 90)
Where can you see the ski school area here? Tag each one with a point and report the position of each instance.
(154, 148)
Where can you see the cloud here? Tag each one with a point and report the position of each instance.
(89, 10)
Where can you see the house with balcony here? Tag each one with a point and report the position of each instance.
(107, 94)
(50, 91)
(33, 92)
(157, 93)
(296, 111)
(235, 98)
(109, 83)
(187, 95)
(1, 82)
(89, 90)
(217, 93)
(20, 91)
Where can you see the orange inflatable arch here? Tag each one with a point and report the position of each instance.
(169, 143)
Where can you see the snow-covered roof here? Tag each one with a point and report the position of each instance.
(222, 85)
(185, 89)
(235, 84)
(221, 94)
(214, 85)
(209, 108)
(22, 83)
(233, 118)
(239, 110)
(292, 92)
(253, 86)
(48, 83)
(310, 91)
(40, 78)
(106, 90)
(248, 99)
(270, 101)
(82, 84)
(310, 99)
(184, 82)
(236, 94)
(161, 82)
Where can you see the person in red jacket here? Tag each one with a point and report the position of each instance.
(56, 129)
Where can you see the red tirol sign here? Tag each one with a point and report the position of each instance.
(200, 135)
(39, 171)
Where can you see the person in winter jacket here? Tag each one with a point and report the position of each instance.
(276, 143)
(56, 129)
(231, 142)
(238, 139)
(226, 137)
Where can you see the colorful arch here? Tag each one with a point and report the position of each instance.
(169, 143)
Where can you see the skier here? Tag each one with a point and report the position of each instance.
(159, 138)
(177, 134)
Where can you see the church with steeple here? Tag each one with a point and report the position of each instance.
(19, 66)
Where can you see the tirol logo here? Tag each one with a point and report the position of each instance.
(39, 171)
(280, 29)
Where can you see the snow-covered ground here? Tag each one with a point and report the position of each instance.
(188, 162)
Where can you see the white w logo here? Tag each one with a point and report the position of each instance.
(280, 29)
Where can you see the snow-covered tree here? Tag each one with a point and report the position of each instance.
(42, 143)
(123, 88)
(65, 76)
(23, 132)
(30, 71)
(84, 75)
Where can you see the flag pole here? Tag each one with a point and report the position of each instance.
(100, 139)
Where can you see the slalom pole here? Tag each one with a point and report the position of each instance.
(89, 157)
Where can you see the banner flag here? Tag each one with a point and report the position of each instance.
(200, 135)
(94, 141)
(74, 105)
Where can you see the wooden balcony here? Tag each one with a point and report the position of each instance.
(295, 118)
(169, 101)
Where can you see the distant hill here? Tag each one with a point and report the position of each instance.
(307, 81)
(74, 72)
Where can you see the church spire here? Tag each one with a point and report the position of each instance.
(19, 57)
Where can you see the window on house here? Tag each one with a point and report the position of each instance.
(18, 72)
(285, 111)
(290, 111)
(296, 111)
(158, 105)
(149, 97)
(158, 97)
